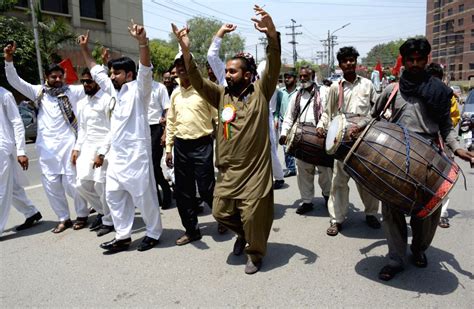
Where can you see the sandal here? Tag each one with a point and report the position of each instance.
(388, 272)
(62, 226)
(81, 222)
(333, 229)
(444, 223)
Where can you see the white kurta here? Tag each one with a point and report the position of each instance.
(129, 155)
(159, 103)
(55, 139)
(94, 126)
(12, 133)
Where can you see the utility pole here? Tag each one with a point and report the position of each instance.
(293, 39)
(35, 33)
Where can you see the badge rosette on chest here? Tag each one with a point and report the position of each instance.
(227, 116)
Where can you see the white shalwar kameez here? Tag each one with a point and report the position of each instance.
(130, 181)
(54, 144)
(94, 126)
(12, 133)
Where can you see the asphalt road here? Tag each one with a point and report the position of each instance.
(303, 267)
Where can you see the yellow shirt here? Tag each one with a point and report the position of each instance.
(189, 116)
(454, 112)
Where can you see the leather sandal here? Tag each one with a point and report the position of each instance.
(81, 222)
(62, 226)
(333, 229)
(444, 223)
(388, 272)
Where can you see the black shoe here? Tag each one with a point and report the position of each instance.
(326, 200)
(104, 230)
(420, 260)
(252, 267)
(147, 243)
(29, 222)
(166, 204)
(278, 184)
(372, 222)
(199, 209)
(116, 245)
(304, 208)
(289, 173)
(239, 245)
(97, 224)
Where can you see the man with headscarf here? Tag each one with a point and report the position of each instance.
(421, 105)
(243, 197)
(56, 103)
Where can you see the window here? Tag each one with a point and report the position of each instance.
(92, 8)
(435, 54)
(452, 67)
(58, 6)
(472, 32)
(471, 66)
(436, 17)
(472, 46)
(460, 67)
(436, 41)
(435, 29)
(460, 21)
(472, 18)
(450, 12)
(461, 8)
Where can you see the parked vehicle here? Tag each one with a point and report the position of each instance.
(466, 126)
(28, 115)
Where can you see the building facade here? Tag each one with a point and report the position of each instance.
(107, 21)
(450, 30)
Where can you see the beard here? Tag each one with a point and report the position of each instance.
(91, 91)
(306, 84)
(117, 85)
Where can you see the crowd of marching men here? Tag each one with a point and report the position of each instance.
(102, 142)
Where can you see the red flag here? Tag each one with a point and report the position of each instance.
(378, 67)
(70, 74)
(398, 66)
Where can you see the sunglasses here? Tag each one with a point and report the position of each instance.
(87, 81)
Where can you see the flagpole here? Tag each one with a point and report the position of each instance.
(35, 33)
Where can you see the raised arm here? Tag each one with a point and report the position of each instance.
(145, 73)
(217, 65)
(269, 78)
(28, 90)
(209, 91)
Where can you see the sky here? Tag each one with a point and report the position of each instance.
(371, 22)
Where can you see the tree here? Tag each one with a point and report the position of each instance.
(25, 55)
(202, 31)
(53, 34)
(6, 5)
(387, 53)
(162, 55)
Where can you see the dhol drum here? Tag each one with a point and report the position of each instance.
(338, 141)
(401, 168)
(304, 144)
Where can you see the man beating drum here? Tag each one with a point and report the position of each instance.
(422, 106)
(352, 94)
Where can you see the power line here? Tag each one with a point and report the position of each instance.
(293, 39)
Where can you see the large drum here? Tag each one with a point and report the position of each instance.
(338, 141)
(402, 169)
(304, 144)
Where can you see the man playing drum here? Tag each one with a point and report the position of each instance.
(306, 107)
(358, 96)
(422, 106)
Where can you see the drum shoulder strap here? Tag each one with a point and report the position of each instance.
(390, 98)
(340, 96)
(297, 113)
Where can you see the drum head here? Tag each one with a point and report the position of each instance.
(335, 134)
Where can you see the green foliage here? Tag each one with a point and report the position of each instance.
(162, 55)
(25, 55)
(6, 5)
(387, 53)
(201, 34)
(53, 34)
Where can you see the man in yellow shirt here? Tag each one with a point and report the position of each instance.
(188, 131)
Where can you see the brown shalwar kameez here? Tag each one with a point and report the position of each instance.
(243, 195)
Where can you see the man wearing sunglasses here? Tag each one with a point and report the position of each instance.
(94, 126)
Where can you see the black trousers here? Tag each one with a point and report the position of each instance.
(193, 164)
(156, 154)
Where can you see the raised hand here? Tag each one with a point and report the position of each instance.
(83, 39)
(265, 23)
(9, 50)
(225, 28)
(182, 37)
(23, 161)
(138, 32)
